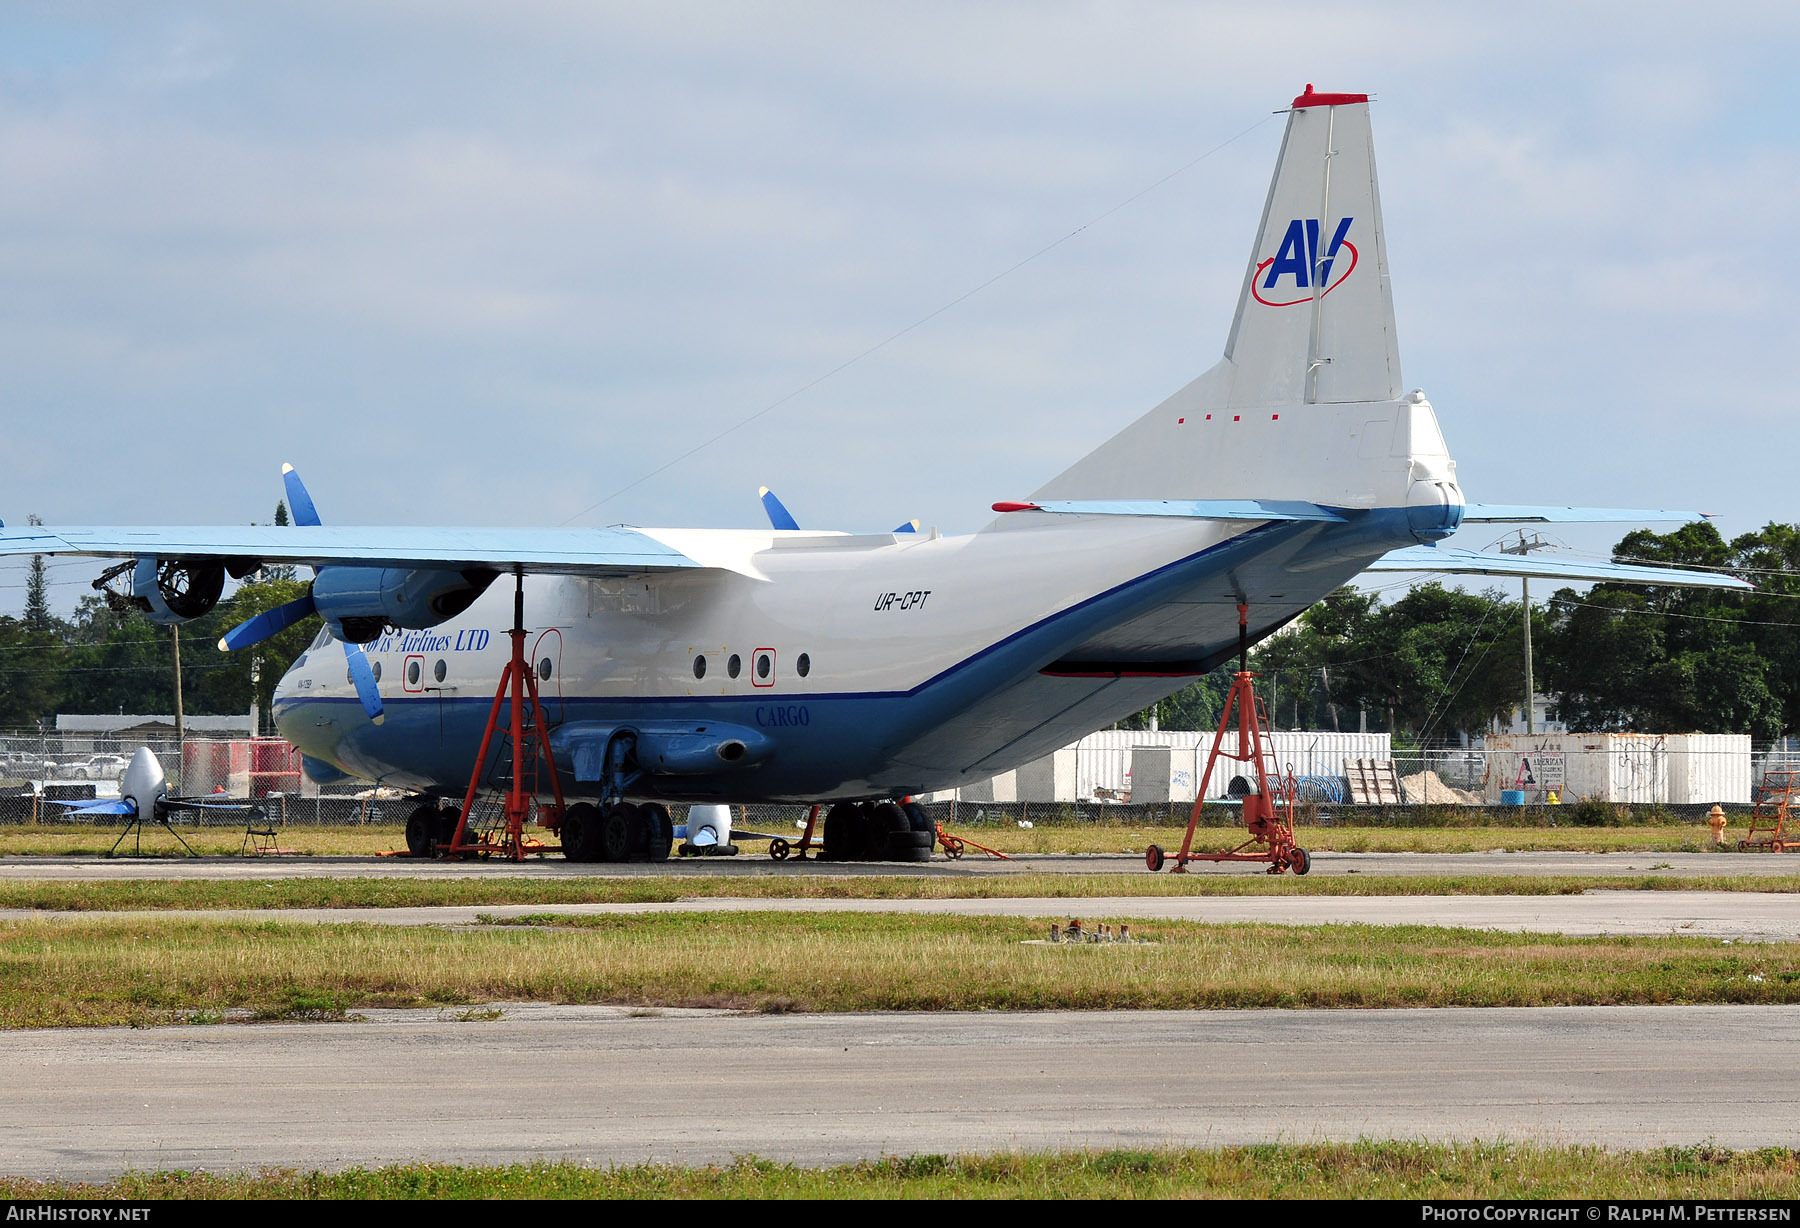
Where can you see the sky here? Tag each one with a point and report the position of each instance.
(508, 264)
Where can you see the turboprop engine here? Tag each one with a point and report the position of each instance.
(360, 602)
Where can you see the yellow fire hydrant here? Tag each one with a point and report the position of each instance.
(1715, 819)
(1553, 800)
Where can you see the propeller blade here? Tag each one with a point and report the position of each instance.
(300, 504)
(269, 622)
(364, 678)
(911, 526)
(779, 516)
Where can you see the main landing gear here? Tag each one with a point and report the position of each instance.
(618, 831)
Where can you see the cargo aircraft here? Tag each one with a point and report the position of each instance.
(789, 665)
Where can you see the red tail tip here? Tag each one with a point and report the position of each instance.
(1311, 99)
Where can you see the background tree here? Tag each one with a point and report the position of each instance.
(37, 589)
(1676, 660)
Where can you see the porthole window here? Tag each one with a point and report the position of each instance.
(763, 665)
(440, 670)
(803, 664)
(735, 666)
(699, 667)
(544, 670)
(375, 668)
(413, 673)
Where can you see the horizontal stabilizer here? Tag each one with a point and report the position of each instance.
(1524, 513)
(1191, 509)
(1472, 563)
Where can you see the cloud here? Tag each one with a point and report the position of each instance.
(468, 263)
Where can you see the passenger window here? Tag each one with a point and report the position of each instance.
(412, 673)
(735, 666)
(439, 670)
(699, 667)
(803, 664)
(763, 665)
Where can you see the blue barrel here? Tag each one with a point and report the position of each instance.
(1512, 797)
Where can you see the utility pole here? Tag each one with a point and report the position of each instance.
(1523, 547)
(175, 637)
(1530, 689)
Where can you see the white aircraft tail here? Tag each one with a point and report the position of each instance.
(1306, 404)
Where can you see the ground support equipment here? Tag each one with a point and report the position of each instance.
(135, 826)
(955, 846)
(530, 741)
(1768, 821)
(781, 849)
(1268, 812)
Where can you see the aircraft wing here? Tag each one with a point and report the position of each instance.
(1471, 562)
(1524, 513)
(572, 551)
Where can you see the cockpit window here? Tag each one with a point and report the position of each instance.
(321, 639)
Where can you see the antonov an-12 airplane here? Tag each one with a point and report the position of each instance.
(786, 665)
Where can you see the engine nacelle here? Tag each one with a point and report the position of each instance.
(360, 602)
(174, 591)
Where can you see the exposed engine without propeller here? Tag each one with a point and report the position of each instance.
(176, 590)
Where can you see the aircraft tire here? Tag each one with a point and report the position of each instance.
(421, 830)
(885, 822)
(910, 845)
(619, 822)
(446, 830)
(915, 814)
(662, 831)
(580, 832)
(840, 836)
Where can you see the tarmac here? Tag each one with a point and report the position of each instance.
(605, 1085)
(1740, 916)
(1679, 865)
(610, 1085)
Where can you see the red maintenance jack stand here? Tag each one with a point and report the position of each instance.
(529, 740)
(1268, 812)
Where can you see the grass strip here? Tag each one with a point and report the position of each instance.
(153, 894)
(95, 971)
(1366, 1169)
(1106, 836)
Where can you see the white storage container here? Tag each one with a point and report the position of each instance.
(1709, 767)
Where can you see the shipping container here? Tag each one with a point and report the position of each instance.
(1705, 768)
(1608, 767)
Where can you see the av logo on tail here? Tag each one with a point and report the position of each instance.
(1297, 256)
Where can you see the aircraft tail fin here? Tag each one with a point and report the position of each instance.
(1315, 315)
(1306, 403)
